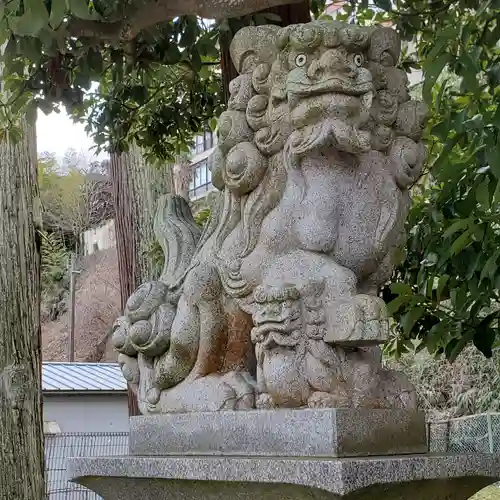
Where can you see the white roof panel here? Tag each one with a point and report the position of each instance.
(82, 377)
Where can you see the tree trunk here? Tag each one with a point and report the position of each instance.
(21, 423)
(136, 188)
(290, 14)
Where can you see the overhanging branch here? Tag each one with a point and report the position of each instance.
(152, 12)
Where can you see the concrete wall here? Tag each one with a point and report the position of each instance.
(99, 238)
(87, 413)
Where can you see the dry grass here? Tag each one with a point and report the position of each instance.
(469, 385)
(97, 306)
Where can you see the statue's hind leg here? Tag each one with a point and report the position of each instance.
(198, 332)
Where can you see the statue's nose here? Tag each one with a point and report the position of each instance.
(315, 70)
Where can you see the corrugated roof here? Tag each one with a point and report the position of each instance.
(82, 377)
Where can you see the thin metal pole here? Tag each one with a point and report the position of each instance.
(72, 294)
(490, 433)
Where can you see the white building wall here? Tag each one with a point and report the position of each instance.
(99, 238)
(87, 413)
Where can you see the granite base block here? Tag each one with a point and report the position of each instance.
(281, 433)
(419, 477)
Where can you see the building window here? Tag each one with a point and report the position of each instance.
(203, 142)
(208, 139)
(201, 182)
(199, 144)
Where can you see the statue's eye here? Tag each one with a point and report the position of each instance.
(359, 60)
(301, 60)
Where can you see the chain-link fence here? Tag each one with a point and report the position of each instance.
(60, 447)
(473, 434)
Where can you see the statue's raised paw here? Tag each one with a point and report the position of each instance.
(360, 320)
(264, 401)
(327, 400)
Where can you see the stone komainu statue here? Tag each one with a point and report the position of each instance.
(275, 304)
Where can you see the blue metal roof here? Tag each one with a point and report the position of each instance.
(82, 377)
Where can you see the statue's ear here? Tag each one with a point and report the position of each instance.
(254, 45)
(385, 46)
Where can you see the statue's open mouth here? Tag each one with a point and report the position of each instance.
(361, 92)
(331, 85)
(331, 94)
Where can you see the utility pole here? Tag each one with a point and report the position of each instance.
(72, 295)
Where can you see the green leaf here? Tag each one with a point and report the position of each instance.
(31, 48)
(456, 226)
(434, 337)
(441, 284)
(401, 289)
(57, 13)
(469, 72)
(474, 123)
(496, 194)
(196, 61)
(430, 259)
(483, 194)
(471, 269)
(34, 19)
(45, 106)
(493, 157)
(173, 54)
(395, 305)
(490, 267)
(456, 346)
(410, 319)
(81, 9)
(11, 8)
(461, 242)
(484, 337)
(384, 4)
(432, 72)
(188, 37)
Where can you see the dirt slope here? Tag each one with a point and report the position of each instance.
(97, 306)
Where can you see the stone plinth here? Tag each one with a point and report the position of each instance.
(281, 433)
(240, 478)
(283, 454)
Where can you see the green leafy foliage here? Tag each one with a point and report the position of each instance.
(157, 83)
(54, 261)
(161, 118)
(64, 195)
(451, 271)
(202, 216)
(445, 293)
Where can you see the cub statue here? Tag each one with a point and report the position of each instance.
(275, 303)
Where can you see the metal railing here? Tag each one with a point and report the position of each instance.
(473, 434)
(60, 447)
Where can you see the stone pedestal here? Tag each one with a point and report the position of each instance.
(283, 454)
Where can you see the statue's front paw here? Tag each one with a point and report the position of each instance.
(360, 320)
(264, 402)
(327, 400)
